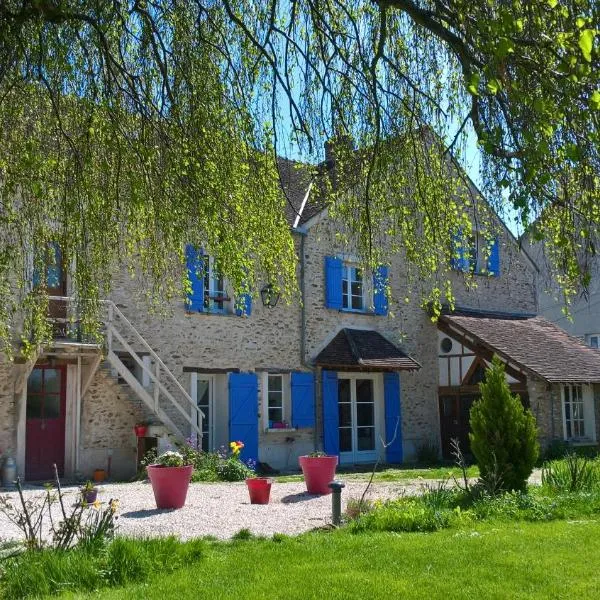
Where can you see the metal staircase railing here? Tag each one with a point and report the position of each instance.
(167, 391)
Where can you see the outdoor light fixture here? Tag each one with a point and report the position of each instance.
(269, 296)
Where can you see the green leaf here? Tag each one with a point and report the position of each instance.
(505, 47)
(493, 86)
(595, 100)
(586, 43)
(552, 3)
(580, 22)
(473, 84)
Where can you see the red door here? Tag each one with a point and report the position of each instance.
(45, 431)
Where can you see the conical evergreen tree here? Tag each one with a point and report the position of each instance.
(503, 434)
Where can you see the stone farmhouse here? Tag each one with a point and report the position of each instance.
(345, 370)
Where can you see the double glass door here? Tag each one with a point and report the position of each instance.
(205, 402)
(357, 418)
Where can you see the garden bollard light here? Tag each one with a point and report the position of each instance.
(336, 500)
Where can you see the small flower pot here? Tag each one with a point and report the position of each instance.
(170, 484)
(259, 489)
(140, 430)
(89, 496)
(99, 475)
(318, 471)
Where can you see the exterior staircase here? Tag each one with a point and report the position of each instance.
(159, 395)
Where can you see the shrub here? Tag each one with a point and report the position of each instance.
(572, 474)
(355, 507)
(504, 434)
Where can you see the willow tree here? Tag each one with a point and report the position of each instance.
(130, 127)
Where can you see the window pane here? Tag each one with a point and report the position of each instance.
(365, 438)
(203, 393)
(34, 383)
(365, 414)
(52, 406)
(275, 399)
(34, 406)
(344, 390)
(357, 288)
(357, 302)
(275, 383)
(345, 439)
(51, 381)
(276, 415)
(364, 390)
(345, 415)
(357, 275)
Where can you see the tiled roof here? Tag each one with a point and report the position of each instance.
(365, 350)
(295, 178)
(531, 342)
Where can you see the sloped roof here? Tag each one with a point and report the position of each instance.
(531, 342)
(364, 350)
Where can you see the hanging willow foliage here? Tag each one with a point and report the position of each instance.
(130, 127)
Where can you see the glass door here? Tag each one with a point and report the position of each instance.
(204, 401)
(356, 410)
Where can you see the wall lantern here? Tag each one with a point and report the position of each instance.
(269, 296)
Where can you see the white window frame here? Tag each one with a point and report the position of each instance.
(285, 399)
(211, 404)
(367, 289)
(585, 409)
(210, 274)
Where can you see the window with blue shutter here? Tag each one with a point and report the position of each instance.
(393, 418)
(303, 399)
(195, 267)
(380, 283)
(333, 282)
(461, 255)
(493, 263)
(331, 435)
(243, 413)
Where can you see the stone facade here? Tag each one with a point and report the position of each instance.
(282, 339)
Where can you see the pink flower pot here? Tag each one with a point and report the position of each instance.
(169, 484)
(318, 471)
(259, 489)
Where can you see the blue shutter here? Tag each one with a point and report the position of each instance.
(380, 282)
(303, 399)
(243, 413)
(331, 435)
(393, 417)
(195, 266)
(333, 282)
(460, 260)
(243, 305)
(493, 264)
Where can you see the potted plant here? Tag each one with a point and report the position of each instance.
(140, 429)
(170, 478)
(89, 492)
(259, 489)
(318, 469)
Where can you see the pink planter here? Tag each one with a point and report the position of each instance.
(169, 484)
(318, 471)
(259, 489)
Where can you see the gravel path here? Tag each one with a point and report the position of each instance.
(221, 509)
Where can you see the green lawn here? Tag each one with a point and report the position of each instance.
(389, 474)
(560, 559)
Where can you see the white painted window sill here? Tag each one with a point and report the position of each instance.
(280, 429)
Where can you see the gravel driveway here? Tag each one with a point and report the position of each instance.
(221, 509)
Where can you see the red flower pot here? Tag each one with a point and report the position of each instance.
(259, 489)
(318, 471)
(170, 484)
(140, 430)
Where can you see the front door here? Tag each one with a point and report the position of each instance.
(356, 406)
(45, 422)
(455, 414)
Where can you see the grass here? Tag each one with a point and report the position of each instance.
(390, 474)
(524, 560)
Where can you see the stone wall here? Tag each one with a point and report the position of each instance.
(8, 419)
(107, 419)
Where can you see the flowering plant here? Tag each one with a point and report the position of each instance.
(236, 447)
(232, 468)
(170, 458)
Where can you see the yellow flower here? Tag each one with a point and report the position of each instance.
(96, 504)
